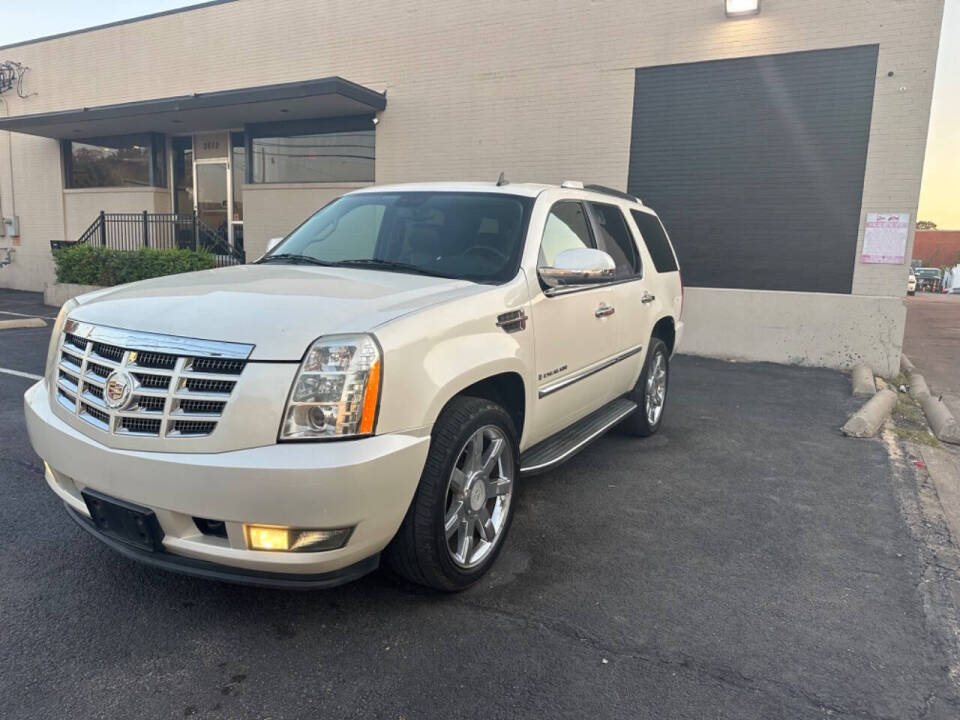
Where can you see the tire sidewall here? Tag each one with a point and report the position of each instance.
(657, 346)
(462, 577)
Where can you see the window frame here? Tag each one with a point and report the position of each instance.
(638, 273)
(586, 217)
(511, 270)
(297, 128)
(156, 143)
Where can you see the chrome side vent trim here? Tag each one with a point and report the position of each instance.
(513, 321)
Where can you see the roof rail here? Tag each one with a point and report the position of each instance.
(615, 193)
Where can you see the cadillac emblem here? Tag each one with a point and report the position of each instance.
(118, 390)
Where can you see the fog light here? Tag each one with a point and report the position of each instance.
(272, 537)
(739, 8)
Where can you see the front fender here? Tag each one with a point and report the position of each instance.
(431, 356)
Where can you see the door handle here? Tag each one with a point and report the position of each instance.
(647, 297)
(605, 311)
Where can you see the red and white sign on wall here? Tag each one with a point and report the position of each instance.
(885, 238)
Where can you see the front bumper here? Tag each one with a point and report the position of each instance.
(366, 483)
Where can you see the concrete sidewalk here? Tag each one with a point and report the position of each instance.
(932, 342)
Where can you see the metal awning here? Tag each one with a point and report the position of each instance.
(326, 97)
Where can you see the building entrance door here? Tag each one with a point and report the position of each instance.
(213, 197)
(215, 200)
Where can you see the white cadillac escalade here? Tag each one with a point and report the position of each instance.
(375, 386)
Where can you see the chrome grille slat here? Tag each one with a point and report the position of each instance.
(181, 385)
(108, 352)
(65, 380)
(208, 387)
(98, 370)
(212, 397)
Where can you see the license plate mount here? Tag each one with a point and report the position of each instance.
(124, 521)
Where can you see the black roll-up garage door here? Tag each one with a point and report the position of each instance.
(756, 165)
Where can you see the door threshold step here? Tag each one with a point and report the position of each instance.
(557, 448)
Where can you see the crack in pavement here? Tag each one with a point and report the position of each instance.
(723, 675)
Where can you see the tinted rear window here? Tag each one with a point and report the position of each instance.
(614, 238)
(656, 241)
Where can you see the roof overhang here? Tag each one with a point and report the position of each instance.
(308, 99)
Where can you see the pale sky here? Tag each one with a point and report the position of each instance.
(940, 192)
(939, 195)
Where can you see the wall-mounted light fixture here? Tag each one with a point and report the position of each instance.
(741, 8)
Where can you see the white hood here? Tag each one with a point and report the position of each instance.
(280, 309)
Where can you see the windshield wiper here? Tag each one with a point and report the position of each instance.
(389, 265)
(294, 258)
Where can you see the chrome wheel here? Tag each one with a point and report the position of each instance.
(655, 392)
(478, 496)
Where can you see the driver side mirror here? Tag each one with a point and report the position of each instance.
(273, 242)
(579, 266)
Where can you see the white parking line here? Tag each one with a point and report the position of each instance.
(8, 312)
(29, 376)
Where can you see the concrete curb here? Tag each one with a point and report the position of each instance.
(866, 421)
(863, 383)
(56, 294)
(946, 481)
(31, 322)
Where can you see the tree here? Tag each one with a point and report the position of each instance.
(926, 225)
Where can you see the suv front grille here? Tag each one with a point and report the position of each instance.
(176, 385)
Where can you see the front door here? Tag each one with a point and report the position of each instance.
(575, 332)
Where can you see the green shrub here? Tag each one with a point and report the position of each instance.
(97, 265)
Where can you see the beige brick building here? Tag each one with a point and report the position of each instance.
(764, 141)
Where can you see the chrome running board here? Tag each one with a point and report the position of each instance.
(557, 448)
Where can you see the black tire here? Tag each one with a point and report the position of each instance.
(638, 424)
(419, 552)
(911, 292)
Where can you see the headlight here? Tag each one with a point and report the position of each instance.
(336, 391)
(55, 335)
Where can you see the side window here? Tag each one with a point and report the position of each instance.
(656, 241)
(614, 238)
(566, 229)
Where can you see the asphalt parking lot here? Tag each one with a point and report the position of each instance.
(748, 562)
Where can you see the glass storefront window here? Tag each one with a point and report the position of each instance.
(182, 174)
(119, 161)
(238, 166)
(321, 157)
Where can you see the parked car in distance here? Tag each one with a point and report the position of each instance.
(375, 385)
(928, 279)
(911, 284)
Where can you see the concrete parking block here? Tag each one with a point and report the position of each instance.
(918, 387)
(868, 419)
(31, 322)
(941, 420)
(863, 383)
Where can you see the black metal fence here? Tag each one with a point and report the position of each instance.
(133, 231)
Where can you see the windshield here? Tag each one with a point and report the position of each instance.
(927, 272)
(463, 235)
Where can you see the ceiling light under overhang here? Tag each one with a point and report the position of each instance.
(741, 8)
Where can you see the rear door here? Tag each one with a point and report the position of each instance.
(631, 297)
